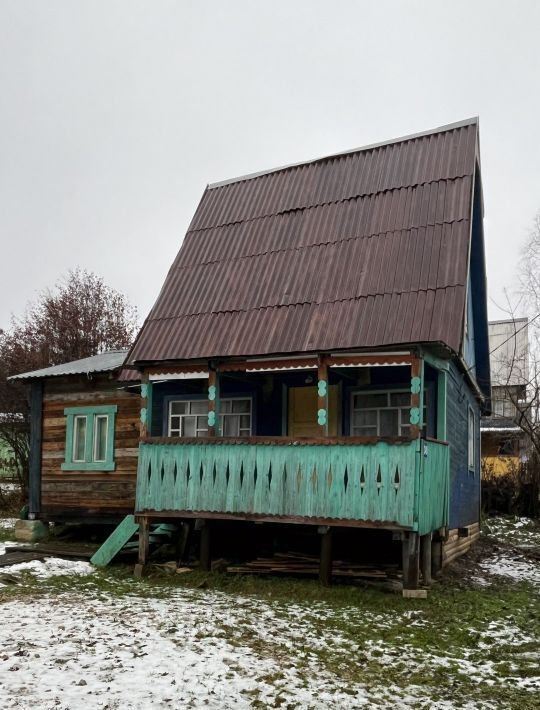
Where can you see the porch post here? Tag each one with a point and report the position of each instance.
(441, 405)
(322, 392)
(411, 556)
(205, 557)
(325, 566)
(213, 401)
(146, 407)
(417, 396)
(425, 551)
(144, 546)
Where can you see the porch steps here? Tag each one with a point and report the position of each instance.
(125, 537)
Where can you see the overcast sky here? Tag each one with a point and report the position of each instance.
(115, 115)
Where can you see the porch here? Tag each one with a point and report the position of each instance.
(329, 441)
(397, 485)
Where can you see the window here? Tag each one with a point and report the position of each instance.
(190, 417)
(471, 453)
(90, 438)
(504, 408)
(381, 413)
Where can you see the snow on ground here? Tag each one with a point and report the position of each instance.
(208, 649)
(49, 567)
(518, 531)
(7, 523)
(151, 653)
(513, 567)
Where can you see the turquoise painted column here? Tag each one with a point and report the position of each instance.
(416, 416)
(213, 402)
(322, 396)
(146, 407)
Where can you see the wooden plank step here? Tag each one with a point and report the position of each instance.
(115, 542)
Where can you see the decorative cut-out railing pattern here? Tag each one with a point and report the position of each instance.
(401, 484)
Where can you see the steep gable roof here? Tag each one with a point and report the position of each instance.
(367, 248)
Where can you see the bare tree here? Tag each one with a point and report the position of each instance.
(521, 382)
(81, 316)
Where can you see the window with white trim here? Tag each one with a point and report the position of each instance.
(190, 417)
(381, 413)
(471, 447)
(90, 438)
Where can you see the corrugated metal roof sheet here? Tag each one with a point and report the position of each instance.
(363, 249)
(104, 362)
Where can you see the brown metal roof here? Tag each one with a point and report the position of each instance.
(363, 249)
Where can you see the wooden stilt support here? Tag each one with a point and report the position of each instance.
(436, 556)
(425, 552)
(411, 576)
(325, 568)
(404, 556)
(144, 545)
(181, 542)
(205, 560)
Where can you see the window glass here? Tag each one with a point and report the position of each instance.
(100, 437)
(189, 417)
(400, 399)
(389, 421)
(179, 407)
(79, 438)
(363, 401)
(189, 426)
(199, 406)
(381, 413)
(241, 406)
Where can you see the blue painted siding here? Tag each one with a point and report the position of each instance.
(464, 484)
(469, 344)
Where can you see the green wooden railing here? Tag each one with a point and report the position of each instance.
(391, 485)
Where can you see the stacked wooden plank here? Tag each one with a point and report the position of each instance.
(299, 564)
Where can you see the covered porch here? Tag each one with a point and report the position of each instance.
(329, 441)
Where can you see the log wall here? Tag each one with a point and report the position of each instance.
(460, 541)
(83, 495)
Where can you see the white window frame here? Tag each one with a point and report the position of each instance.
(203, 431)
(76, 438)
(471, 440)
(95, 442)
(387, 392)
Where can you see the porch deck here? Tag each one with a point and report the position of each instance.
(399, 484)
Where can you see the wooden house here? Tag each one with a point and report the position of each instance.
(318, 353)
(84, 440)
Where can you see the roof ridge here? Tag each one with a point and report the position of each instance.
(473, 120)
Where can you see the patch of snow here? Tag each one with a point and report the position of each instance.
(516, 568)
(518, 531)
(7, 523)
(51, 567)
(137, 653)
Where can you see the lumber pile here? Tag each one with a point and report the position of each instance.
(299, 564)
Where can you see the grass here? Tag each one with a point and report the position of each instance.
(464, 644)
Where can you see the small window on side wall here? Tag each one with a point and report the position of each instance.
(471, 447)
(90, 438)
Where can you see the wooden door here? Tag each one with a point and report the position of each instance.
(302, 419)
